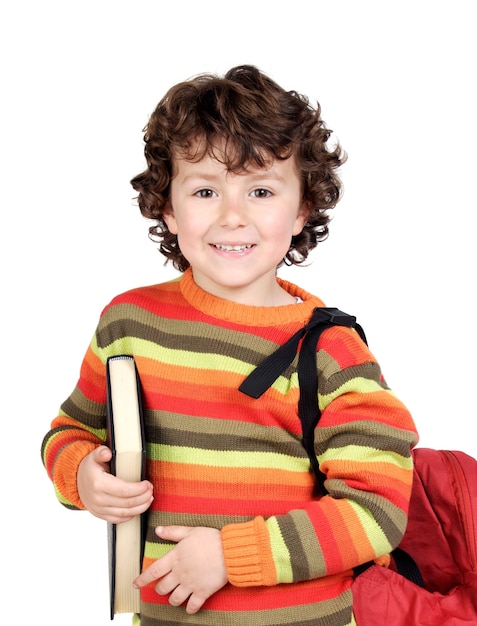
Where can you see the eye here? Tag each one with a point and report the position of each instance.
(261, 193)
(204, 193)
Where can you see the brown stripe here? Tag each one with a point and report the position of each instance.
(324, 613)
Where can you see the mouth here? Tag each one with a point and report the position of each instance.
(232, 248)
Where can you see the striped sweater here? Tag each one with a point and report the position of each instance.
(222, 459)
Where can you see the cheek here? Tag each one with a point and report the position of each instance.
(280, 233)
(290, 225)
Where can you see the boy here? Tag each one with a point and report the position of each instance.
(239, 180)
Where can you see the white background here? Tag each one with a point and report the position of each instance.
(396, 81)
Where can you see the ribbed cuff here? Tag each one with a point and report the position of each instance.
(66, 470)
(247, 553)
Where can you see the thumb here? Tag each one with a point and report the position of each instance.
(102, 454)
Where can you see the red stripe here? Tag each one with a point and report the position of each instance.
(215, 506)
(145, 299)
(266, 598)
(320, 518)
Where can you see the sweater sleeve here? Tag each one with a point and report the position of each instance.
(363, 444)
(78, 429)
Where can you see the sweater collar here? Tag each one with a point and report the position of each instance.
(227, 310)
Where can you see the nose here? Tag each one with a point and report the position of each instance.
(233, 211)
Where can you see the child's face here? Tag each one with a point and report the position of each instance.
(234, 229)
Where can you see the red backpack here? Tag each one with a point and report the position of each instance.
(432, 580)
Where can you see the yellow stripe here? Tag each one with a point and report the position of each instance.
(157, 550)
(280, 552)
(195, 360)
(228, 458)
(355, 385)
(359, 455)
(374, 533)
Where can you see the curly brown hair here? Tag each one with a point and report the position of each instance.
(257, 121)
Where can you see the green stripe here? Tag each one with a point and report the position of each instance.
(384, 514)
(157, 550)
(182, 357)
(353, 385)
(227, 458)
(360, 455)
(280, 552)
(374, 532)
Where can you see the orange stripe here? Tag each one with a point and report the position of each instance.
(237, 490)
(379, 406)
(398, 480)
(207, 473)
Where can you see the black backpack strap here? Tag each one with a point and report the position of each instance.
(407, 566)
(265, 374)
(308, 407)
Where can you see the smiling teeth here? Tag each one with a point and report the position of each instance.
(233, 248)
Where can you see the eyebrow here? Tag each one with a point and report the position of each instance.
(255, 175)
(267, 174)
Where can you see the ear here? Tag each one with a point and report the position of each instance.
(301, 218)
(170, 220)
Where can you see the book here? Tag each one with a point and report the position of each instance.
(125, 437)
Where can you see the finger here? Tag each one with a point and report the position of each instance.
(173, 533)
(167, 585)
(194, 603)
(119, 516)
(179, 595)
(125, 489)
(156, 570)
(112, 499)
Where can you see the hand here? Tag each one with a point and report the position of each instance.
(107, 496)
(193, 570)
